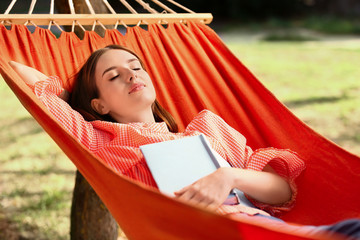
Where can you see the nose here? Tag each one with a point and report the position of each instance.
(132, 75)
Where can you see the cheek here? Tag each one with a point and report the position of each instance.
(114, 96)
(150, 84)
(153, 91)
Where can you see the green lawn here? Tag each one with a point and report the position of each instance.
(36, 178)
(319, 81)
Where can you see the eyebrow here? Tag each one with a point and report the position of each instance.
(113, 67)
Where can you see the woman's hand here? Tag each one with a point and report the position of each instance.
(210, 191)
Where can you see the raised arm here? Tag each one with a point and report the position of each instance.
(51, 93)
(28, 74)
(31, 76)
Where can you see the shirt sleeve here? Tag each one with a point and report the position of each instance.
(231, 145)
(47, 91)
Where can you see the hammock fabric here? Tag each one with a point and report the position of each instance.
(192, 69)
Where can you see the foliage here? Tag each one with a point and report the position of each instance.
(332, 25)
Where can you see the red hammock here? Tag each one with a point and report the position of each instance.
(192, 69)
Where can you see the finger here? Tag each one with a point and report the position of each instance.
(186, 195)
(204, 198)
(181, 191)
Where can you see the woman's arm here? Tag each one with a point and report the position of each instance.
(270, 190)
(31, 76)
(28, 74)
(49, 91)
(212, 190)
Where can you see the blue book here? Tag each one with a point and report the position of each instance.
(179, 163)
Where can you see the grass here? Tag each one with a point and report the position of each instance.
(36, 179)
(317, 80)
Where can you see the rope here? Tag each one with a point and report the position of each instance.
(10, 7)
(90, 7)
(165, 17)
(128, 6)
(29, 21)
(72, 8)
(53, 22)
(109, 6)
(94, 25)
(146, 6)
(52, 7)
(180, 6)
(164, 6)
(57, 26)
(76, 21)
(142, 21)
(32, 6)
(124, 24)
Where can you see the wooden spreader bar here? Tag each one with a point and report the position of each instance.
(105, 19)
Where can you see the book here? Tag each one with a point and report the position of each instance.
(178, 163)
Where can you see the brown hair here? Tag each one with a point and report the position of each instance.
(85, 90)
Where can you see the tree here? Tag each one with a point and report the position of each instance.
(342, 8)
(80, 7)
(90, 219)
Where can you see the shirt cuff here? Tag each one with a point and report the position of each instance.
(53, 85)
(287, 165)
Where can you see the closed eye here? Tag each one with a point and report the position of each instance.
(114, 77)
(136, 69)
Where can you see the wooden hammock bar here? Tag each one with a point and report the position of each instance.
(168, 15)
(106, 19)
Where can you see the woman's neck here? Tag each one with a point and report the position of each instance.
(145, 117)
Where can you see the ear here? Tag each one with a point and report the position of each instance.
(100, 108)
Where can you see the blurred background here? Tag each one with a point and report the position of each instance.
(306, 52)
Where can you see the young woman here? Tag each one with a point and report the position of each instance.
(113, 110)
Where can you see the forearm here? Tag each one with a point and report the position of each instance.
(49, 91)
(28, 74)
(263, 186)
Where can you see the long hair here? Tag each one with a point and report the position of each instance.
(85, 90)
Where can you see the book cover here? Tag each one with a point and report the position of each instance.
(177, 163)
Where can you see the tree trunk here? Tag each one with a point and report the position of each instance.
(80, 7)
(90, 219)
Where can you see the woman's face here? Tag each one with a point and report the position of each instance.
(125, 88)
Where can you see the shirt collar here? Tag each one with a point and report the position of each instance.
(156, 127)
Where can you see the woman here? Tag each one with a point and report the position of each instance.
(119, 112)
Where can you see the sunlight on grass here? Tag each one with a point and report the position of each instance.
(36, 177)
(318, 81)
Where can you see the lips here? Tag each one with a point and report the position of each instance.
(136, 87)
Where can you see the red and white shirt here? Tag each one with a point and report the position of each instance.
(118, 144)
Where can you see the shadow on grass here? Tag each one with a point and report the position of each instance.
(10, 231)
(38, 172)
(19, 128)
(314, 100)
(41, 203)
(349, 136)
